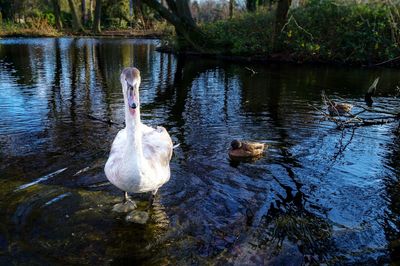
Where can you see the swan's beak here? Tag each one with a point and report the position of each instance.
(132, 100)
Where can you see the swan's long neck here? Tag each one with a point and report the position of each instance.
(130, 81)
(134, 133)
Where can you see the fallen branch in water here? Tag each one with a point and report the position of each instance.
(343, 146)
(387, 61)
(371, 122)
(253, 72)
(349, 120)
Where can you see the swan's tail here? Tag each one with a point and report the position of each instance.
(176, 146)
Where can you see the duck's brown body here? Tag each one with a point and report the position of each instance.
(339, 108)
(246, 149)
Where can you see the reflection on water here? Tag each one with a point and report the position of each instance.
(318, 195)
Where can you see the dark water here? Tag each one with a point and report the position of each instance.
(319, 195)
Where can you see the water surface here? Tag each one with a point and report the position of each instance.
(319, 194)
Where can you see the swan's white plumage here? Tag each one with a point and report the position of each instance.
(140, 155)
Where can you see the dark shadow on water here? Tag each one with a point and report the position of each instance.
(391, 221)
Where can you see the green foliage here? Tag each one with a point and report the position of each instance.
(328, 30)
(248, 34)
(6, 9)
(113, 11)
(51, 19)
(323, 30)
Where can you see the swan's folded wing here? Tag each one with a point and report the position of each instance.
(119, 142)
(146, 129)
(157, 145)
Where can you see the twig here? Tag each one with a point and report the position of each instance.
(251, 70)
(300, 27)
(387, 61)
(327, 116)
(377, 111)
(342, 147)
(365, 123)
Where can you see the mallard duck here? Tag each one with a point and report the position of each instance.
(335, 108)
(140, 155)
(245, 149)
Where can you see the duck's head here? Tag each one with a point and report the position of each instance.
(130, 81)
(236, 144)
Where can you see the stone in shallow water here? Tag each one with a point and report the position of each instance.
(139, 217)
(124, 207)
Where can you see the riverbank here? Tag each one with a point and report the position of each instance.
(148, 34)
(328, 32)
(41, 28)
(276, 58)
(321, 32)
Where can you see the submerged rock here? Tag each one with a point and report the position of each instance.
(124, 207)
(139, 217)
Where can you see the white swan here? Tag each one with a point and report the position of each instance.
(140, 155)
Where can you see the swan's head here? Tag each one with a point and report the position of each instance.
(130, 81)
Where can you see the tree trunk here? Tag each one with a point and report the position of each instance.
(90, 13)
(184, 11)
(138, 11)
(97, 18)
(280, 20)
(83, 11)
(76, 22)
(57, 14)
(231, 4)
(251, 5)
(180, 17)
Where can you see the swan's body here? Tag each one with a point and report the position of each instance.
(140, 155)
(132, 172)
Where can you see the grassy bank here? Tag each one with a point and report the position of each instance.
(33, 28)
(41, 28)
(321, 31)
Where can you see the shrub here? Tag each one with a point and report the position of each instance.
(248, 34)
(322, 30)
(334, 31)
